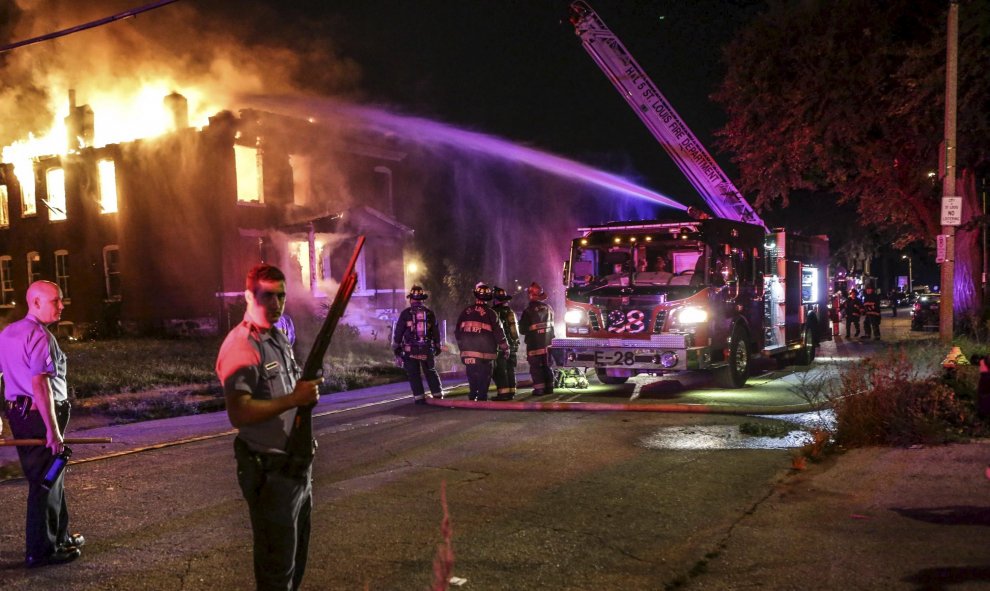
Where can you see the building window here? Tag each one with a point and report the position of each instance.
(302, 187)
(107, 172)
(4, 210)
(111, 271)
(33, 267)
(24, 171)
(55, 184)
(311, 271)
(6, 282)
(250, 182)
(62, 272)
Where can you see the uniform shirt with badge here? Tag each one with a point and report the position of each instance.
(28, 349)
(260, 362)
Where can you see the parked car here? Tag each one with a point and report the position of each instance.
(924, 312)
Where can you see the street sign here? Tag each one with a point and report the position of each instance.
(951, 211)
(940, 241)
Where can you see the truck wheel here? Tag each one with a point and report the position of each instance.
(806, 356)
(735, 373)
(607, 379)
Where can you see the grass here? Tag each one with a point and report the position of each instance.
(135, 379)
(139, 364)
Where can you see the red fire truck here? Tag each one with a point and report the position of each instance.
(693, 293)
(688, 292)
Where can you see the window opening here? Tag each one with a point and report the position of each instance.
(111, 272)
(107, 172)
(55, 185)
(62, 272)
(250, 183)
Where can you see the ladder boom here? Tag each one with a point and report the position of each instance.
(659, 116)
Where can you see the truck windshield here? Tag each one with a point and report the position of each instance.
(652, 265)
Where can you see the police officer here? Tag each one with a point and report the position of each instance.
(480, 338)
(37, 407)
(536, 325)
(871, 313)
(262, 389)
(505, 365)
(416, 340)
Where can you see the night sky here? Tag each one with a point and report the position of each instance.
(517, 70)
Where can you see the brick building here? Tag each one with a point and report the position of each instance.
(155, 235)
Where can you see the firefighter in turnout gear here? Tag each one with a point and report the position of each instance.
(481, 339)
(505, 365)
(536, 325)
(416, 341)
(871, 313)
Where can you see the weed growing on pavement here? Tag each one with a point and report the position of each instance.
(898, 398)
(443, 563)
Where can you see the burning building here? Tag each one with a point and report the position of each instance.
(154, 234)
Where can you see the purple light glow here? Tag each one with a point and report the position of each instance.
(428, 132)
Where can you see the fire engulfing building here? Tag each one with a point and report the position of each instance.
(155, 235)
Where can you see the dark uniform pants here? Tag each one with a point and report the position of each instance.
(871, 325)
(479, 375)
(280, 509)
(852, 321)
(539, 370)
(47, 513)
(505, 375)
(415, 369)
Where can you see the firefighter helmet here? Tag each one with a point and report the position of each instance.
(500, 295)
(536, 292)
(417, 294)
(483, 292)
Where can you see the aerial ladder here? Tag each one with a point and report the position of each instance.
(660, 118)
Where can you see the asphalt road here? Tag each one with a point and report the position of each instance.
(537, 501)
(555, 500)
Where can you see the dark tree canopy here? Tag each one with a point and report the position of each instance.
(847, 97)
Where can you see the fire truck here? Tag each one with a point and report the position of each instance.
(691, 291)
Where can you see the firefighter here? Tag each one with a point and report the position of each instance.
(851, 309)
(416, 341)
(871, 313)
(505, 365)
(480, 338)
(536, 325)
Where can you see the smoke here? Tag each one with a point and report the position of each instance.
(205, 50)
(484, 209)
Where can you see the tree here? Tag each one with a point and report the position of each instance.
(847, 97)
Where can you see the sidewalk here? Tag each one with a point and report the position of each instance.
(869, 519)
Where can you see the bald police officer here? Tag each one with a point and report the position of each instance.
(37, 406)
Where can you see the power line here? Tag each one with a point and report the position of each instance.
(90, 25)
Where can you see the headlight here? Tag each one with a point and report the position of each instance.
(574, 316)
(692, 315)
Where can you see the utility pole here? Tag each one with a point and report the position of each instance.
(949, 200)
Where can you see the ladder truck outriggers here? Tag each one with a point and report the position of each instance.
(691, 291)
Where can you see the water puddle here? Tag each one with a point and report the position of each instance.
(711, 437)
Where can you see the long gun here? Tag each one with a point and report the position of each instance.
(301, 446)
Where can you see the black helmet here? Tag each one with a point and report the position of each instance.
(482, 291)
(535, 291)
(417, 294)
(500, 295)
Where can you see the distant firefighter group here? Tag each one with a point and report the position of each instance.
(487, 335)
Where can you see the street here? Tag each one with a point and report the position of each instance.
(537, 500)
